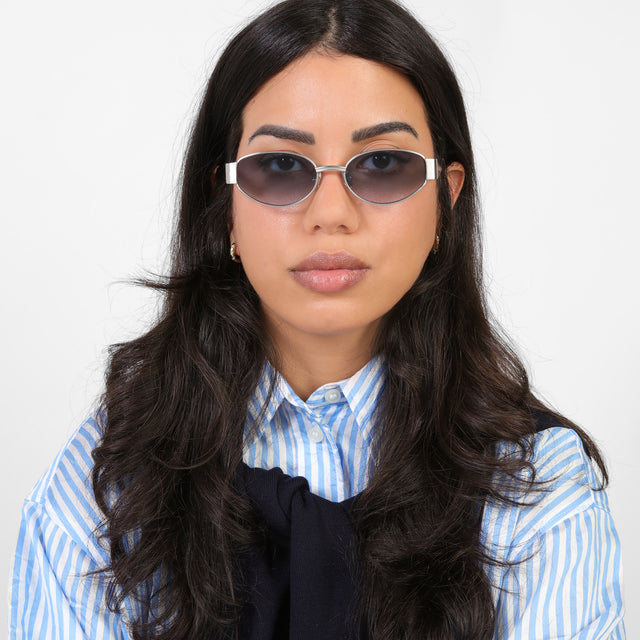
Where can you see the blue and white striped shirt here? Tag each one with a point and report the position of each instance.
(326, 439)
(565, 583)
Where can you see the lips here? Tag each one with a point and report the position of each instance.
(329, 272)
(321, 260)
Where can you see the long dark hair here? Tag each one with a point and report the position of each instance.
(175, 399)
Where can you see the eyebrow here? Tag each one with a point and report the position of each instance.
(284, 133)
(305, 137)
(379, 129)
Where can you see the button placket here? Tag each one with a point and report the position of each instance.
(315, 434)
(332, 395)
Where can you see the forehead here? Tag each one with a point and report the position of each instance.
(332, 95)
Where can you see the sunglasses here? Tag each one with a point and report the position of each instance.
(382, 176)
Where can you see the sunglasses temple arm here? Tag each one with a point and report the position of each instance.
(432, 168)
(230, 172)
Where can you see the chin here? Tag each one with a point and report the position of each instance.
(332, 326)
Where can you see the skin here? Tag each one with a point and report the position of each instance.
(323, 337)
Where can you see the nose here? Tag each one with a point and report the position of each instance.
(332, 207)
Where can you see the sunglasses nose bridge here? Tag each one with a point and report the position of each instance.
(332, 168)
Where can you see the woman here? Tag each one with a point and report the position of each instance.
(324, 316)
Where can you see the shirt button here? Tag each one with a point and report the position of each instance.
(315, 434)
(333, 395)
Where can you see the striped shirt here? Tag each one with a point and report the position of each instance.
(565, 582)
(326, 439)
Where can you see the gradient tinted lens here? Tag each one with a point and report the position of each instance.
(276, 178)
(382, 176)
(386, 176)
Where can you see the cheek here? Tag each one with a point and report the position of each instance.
(255, 224)
(247, 229)
(405, 249)
(261, 240)
(410, 236)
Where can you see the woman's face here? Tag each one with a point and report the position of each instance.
(334, 264)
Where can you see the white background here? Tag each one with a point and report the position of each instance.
(96, 102)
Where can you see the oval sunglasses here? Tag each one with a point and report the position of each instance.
(381, 176)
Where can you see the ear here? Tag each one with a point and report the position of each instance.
(455, 179)
(214, 175)
(230, 222)
(216, 189)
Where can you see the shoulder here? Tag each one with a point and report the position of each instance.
(567, 485)
(63, 497)
(557, 564)
(58, 588)
(560, 459)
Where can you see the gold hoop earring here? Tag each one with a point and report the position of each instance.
(232, 252)
(437, 246)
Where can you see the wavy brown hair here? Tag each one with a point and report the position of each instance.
(175, 400)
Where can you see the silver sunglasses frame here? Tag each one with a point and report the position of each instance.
(231, 174)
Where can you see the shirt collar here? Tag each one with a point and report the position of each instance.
(362, 392)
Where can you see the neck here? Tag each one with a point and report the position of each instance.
(307, 361)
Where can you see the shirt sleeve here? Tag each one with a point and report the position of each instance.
(53, 596)
(565, 578)
(56, 593)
